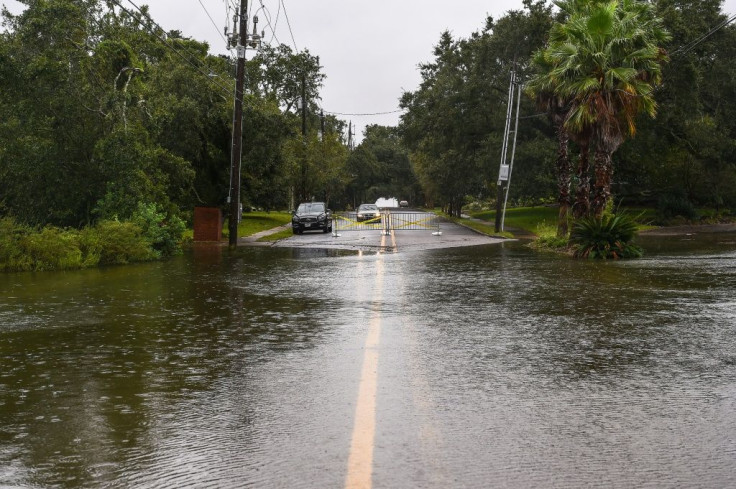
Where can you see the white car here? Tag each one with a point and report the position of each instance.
(368, 212)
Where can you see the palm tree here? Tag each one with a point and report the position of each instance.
(606, 61)
(542, 88)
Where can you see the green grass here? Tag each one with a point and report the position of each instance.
(540, 220)
(255, 222)
(283, 234)
(532, 219)
(481, 227)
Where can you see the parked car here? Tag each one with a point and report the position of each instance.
(403, 203)
(311, 216)
(368, 212)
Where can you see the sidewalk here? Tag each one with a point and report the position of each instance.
(252, 240)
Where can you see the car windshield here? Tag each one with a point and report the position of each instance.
(310, 208)
(367, 207)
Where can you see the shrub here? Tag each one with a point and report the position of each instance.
(548, 240)
(53, 249)
(672, 206)
(116, 243)
(23, 248)
(12, 255)
(607, 237)
(163, 232)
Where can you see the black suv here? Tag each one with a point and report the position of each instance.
(311, 216)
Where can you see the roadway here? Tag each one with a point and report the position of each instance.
(350, 235)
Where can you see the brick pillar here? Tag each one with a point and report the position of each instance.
(207, 224)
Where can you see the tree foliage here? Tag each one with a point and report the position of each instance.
(454, 121)
(101, 111)
(98, 115)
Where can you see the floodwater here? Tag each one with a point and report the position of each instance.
(496, 367)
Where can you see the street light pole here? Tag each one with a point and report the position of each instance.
(237, 144)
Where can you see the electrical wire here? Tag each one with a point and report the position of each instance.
(289, 24)
(166, 43)
(217, 28)
(267, 14)
(275, 25)
(364, 114)
(540, 114)
(690, 46)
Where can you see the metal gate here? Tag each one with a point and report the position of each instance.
(388, 221)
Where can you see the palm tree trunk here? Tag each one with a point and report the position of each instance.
(603, 178)
(581, 207)
(563, 181)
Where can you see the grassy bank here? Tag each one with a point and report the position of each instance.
(252, 223)
(283, 234)
(255, 222)
(535, 220)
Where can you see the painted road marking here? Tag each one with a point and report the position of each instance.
(360, 462)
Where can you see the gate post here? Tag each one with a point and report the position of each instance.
(386, 220)
(438, 232)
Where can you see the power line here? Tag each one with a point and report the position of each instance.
(267, 14)
(165, 42)
(275, 25)
(540, 114)
(690, 46)
(289, 24)
(364, 114)
(217, 28)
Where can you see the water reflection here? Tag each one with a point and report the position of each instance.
(498, 366)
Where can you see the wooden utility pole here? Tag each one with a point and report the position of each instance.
(304, 196)
(237, 145)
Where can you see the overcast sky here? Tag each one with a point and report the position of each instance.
(369, 49)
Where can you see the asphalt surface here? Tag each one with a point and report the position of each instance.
(356, 237)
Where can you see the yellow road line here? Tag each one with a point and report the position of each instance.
(360, 461)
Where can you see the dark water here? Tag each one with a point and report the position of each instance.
(498, 367)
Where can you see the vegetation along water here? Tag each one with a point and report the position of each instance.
(99, 117)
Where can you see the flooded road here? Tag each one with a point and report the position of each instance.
(480, 366)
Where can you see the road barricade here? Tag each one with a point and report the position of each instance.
(388, 221)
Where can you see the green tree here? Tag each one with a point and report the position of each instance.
(606, 60)
(670, 160)
(454, 121)
(387, 172)
(542, 88)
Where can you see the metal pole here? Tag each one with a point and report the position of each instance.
(513, 153)
(237, 144)
(501, 182)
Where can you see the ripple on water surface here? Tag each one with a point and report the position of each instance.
(497, 367)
